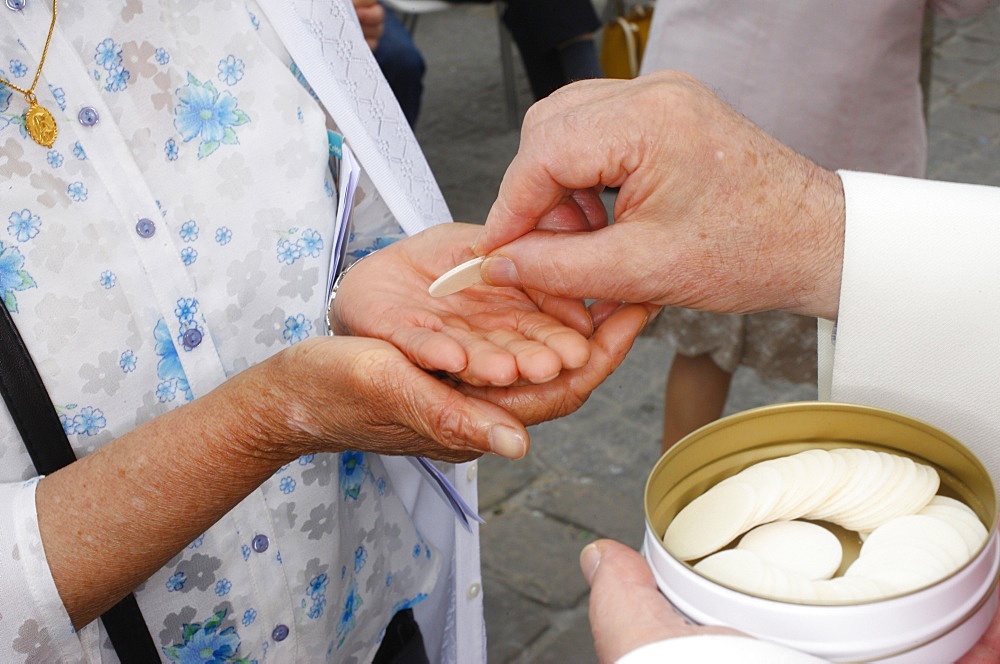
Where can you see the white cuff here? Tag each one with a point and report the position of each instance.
(34, 618)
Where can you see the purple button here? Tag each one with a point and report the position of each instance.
(260, 543)
(145, 228)
(88, 116)
(192, 338)
(280, 633)
(16, 5)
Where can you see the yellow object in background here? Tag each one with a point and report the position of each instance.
(624, 40)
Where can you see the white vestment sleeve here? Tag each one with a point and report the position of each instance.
(918, 329)
(716, 648)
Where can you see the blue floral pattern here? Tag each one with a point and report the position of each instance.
(205, 114)
(206, 642)
(13, 276)
(108, 58)
(23, 225)
(5, 95)
(18, 69)
(315, 601)
(296, 329)
(128, 361)
(299, 243)
(348, 614)
(169, 368)
(231, 70)
(77, 191)
(353, 471)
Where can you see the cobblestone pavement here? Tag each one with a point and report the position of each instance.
(584, 476)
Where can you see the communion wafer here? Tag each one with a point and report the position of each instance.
(905, 554)
(840, 485)
(877, 487)
(906, 487)
(864, 469)
(809, 478)
(457, 278)
(912, 536)
(734, 567)
(961, 517)
(796, 546)
(768, 485)
(711, 520)
(919, 531)
(743, 569)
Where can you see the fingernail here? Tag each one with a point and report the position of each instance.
(475, 243)
(590, 559)
(507, 442)
(500, 271)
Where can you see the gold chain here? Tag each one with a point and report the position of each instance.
(38, 122)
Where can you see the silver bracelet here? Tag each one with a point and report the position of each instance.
(336, 287)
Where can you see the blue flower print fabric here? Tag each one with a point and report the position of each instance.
(177, 232)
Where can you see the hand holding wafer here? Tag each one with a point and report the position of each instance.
(457, 278)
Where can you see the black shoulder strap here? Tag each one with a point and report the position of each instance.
(29, 403)
(49, 448)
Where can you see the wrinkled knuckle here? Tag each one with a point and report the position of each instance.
(451, 428)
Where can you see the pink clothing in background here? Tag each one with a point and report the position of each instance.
(837, 81)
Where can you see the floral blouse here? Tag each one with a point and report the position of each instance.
(178, 231)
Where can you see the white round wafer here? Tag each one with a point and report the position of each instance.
(736, 568)
(900, 568)
(744, 570)
(711, 520)
(797, 547)
(896, 475)
(906, 488)
(797, 471)
(864, 472)
(910, 552)
(923, 532)
(824, 476)
(961, 517)
(457, 278)
(768, 486)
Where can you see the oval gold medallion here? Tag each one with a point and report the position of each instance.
(40, 124)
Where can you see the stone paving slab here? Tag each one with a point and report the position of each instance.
(585, 473)
(515, 621)
(536, 555)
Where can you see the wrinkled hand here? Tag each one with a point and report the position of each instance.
(627, 609)
(711, 213)
(371, 15)
(331, 394)
(482, 335)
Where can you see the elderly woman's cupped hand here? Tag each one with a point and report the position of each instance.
(481, 336)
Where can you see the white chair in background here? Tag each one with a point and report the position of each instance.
(410, 10)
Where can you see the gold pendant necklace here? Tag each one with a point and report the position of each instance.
(38, 122)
